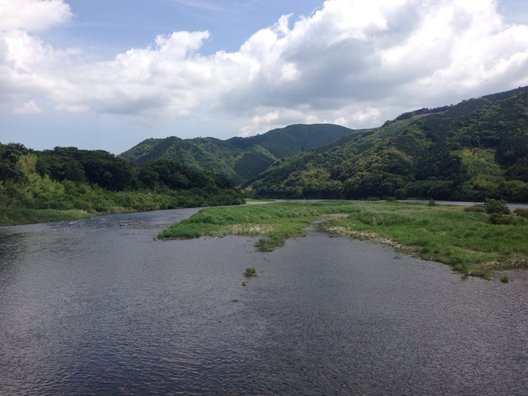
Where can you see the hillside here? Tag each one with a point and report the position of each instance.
(470, 151)
(240, 159)
(95, 181)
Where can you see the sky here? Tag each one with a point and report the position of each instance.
(100, 74)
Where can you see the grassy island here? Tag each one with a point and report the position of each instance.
(465, 240)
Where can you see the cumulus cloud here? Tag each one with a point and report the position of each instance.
(30, 107)
(32, 15)
(352, 62)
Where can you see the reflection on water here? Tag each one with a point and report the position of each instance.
(100, 307)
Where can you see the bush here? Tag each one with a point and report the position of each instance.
(250, 271)
(521, 212)
(496, 206)
(506, 219)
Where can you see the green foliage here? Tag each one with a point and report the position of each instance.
(500, 219)
(475, 150)
(98, 182)
(494, 206)
(521, 212)
(274, 222)
(9, 156)
(250, 271)
(504, 279)
(27, 216)
(239, 159)
(464, 240)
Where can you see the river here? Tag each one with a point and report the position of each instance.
(99, 306)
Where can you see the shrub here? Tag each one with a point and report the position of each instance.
(505, 219)
(250, 271)
(496, 206)
(504, 279)
(521, 212)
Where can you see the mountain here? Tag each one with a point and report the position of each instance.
(469, 151)
(240, 159)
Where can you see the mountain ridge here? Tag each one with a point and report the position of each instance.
(238, 158)
(473, 150)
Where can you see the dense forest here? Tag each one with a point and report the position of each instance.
(474, 150)
(97, 181)
(240, 159)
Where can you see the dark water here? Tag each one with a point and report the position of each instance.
(99, 307)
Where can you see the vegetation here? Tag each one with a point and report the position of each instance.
(28, 216)
(494, 206)
(250, 271)
(521, 212)
(239, 159)
(471, 151)
(274, 222)
(465, 240)
(475, 208)
(68, 179)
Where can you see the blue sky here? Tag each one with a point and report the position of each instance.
(108, 74)
(114, 26)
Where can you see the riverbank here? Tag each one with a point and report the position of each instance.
(467, 241)
(18, 216)
(15, 216)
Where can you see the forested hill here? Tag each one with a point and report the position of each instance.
(96, 181)
(240, 159)
(470, 151)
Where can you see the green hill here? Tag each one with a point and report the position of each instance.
(470, 151)
(240, 159)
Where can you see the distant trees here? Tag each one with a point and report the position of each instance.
(9, 155)
(67, 178)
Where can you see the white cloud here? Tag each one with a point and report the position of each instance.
(370, 116)
(30, 107)
(32, 15)
(276, 119)
(352, 62)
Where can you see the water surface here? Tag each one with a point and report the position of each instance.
(100, 307)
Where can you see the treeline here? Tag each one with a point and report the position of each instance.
(97, 181)
(475, 150)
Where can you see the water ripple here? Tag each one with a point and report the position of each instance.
(100, 307)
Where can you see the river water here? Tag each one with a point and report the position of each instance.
(100, 307)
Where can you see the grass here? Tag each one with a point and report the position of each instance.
(250, 272)
(273, 222)
(27, 216)
(467, 241)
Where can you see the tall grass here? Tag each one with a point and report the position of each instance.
(274, 222)
(465, 240)
(27, 216)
